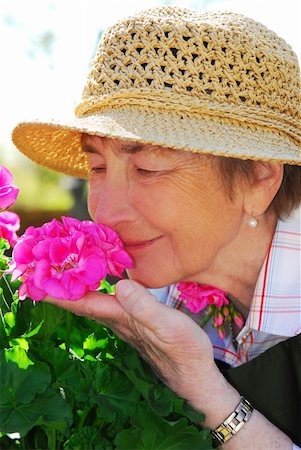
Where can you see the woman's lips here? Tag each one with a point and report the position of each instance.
(137, 245)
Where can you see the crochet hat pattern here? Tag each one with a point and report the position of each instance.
(213, 83)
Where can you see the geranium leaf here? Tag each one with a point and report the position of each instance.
(161, 400)
(48, 410)
(52, 316)
(19, 386)
(152, 432)
(18, 355)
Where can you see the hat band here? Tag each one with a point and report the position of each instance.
(245, 115)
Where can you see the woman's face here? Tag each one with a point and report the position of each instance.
(168, 206)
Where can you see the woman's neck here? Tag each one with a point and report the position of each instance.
(236, 269)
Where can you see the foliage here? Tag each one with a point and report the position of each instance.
(42, 188)
(69, 383)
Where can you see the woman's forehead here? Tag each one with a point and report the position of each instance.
(94, 144)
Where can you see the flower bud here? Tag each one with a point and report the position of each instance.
(221, 332)
(218, 319)
(225, 311)
(238, 319)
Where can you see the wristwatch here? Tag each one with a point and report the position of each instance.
(233, 423)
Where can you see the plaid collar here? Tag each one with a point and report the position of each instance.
(276, 304)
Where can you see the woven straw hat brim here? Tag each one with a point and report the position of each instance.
(57, 145)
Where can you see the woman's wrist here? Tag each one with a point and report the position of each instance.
(213, 395)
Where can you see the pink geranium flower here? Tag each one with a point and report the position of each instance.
(110, 243)
(200, 296)
(9, 224)
(8, 191)
(66, 259)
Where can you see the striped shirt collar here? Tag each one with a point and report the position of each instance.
(276, 304)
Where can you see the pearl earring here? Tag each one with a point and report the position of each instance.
(253, 222)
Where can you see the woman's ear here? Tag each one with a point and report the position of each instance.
(261, 191)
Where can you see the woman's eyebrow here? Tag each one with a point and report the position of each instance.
(129, 148)
(132, 147)
(126, 147)
(87, 148)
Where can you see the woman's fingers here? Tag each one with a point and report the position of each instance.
(94, 305)
(144, 308)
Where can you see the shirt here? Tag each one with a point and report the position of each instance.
(275, 311)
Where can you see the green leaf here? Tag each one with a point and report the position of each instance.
(6, 293)
(33, 332)
(25, 400)
(4, 245)
(131, 364)
(161, 400)
(10, 319)
(114, 385)
(117, 396)
(20, 342)
(19, 386)
(82, 439)
(52, 316)
(18, 355)
(91, 343)
(106, 288)
(4, 260)
(152, 432)
(183, 408)
(66, 371)
(47, 410)
(22, 313)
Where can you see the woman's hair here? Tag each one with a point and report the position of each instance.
(288, 196)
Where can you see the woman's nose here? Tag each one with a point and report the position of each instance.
(113, 205)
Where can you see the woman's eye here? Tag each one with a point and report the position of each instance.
(147, 173)
(94, 170)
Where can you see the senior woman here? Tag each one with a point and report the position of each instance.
(188, 133)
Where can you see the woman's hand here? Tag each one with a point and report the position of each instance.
(172, 343)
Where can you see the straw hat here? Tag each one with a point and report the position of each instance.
(217, 83)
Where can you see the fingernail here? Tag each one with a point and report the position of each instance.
(124, 288)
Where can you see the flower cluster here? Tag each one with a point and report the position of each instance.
(8, 191)
(9, 225)
(200, 296)
(66, 259)
(9, 221)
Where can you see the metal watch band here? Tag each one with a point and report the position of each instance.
(233, 423)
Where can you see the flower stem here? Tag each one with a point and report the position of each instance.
(69, 320)
(8, 287)
(207, 318)
(83, 417)
(51, 437)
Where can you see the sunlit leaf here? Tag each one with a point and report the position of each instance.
(19, 356)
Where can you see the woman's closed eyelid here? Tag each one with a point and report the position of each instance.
(147, 172)
(151, 165)
(98, 169)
